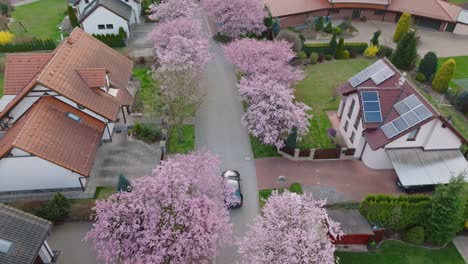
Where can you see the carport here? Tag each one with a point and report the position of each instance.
(415, 166)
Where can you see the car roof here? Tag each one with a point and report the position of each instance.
(231, 173)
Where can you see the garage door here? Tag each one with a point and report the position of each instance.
(428, 23)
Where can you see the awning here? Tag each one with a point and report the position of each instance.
(414, 166)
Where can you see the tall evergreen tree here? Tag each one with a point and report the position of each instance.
(446, 214)
(444, 76)
(72, 16)
(405, 53)
(333, 44)
(340, 49)
(402, 27)
(428, 65)
(375, 38)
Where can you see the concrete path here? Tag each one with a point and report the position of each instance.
(218, 128)
(445, 44)
(461, 242)
(140, 43)
(67, 238)
(335, 180)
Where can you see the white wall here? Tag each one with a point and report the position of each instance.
(461, 29)
(45, 253)
(105, 135)
(376, 159)
(15, 152)
(86, 111)
(34, 173)
(103, 16)
(430, 136)
(351, 120)
(136, 9)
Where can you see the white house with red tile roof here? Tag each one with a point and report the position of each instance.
(392, 126)
(57, 108)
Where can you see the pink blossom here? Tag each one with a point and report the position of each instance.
(272, 111)
(293, 229)
(272, 58)
(237, 18)
(176, 214)
(172, 9)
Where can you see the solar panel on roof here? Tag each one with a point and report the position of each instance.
(366, 73)
(371, 106)
(422, 112)
(411, 118)
(412, 101)
(402, 107)
(372, 117)
(382, 74)
(389, 130)
(370, 96)
(400, 124)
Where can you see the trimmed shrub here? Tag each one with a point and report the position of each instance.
(375, 38)
(402, 27)
(396, 212)
(291, 140)
(301, 55)
(72, 16)
(328, 28)
(314, 58)
(352, 53)
(296, 187)
(319, 24)
(324, 48)
(461, 103)
(146, 132)
(6, 37)
(55, 210)
(122, 33)
(444, 76)
(111, 40)
(340, 49)
(265, 194)
(291, 37)
(328, 57)
(414, 235)
(420, 77)
(385, 51)
(428, 65)
(35, 44)
(321, 57)
(371, 51)
(405, 53)
(333, 44)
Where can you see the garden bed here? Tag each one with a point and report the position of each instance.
(188, 145)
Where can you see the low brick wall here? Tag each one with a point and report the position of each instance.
(310, 154)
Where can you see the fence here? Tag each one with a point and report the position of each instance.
(317, 154)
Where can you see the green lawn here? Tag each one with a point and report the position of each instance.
(2, 78)
(458, 1)
(262, 151)
(41, 19)
(188, 145)
(393, 252)
(318, 90)
(145, 97)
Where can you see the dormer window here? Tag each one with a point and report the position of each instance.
(74, 117)
(5, 246)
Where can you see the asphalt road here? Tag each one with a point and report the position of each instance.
(218, 129)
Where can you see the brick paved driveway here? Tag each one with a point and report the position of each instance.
(348, 177)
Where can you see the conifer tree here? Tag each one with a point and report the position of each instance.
(403, 27)
(405, 53)
(444, 76)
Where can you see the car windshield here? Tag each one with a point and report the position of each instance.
(235, 185)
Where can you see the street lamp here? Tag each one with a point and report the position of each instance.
(282, 180)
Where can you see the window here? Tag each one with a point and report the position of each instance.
(413, 134)
(86, 1)
(352, 137)
(81, 107)
(101, 26)
(110, 26)
(351, 108)
(356, 123)
(379, 12)
(346, 126)
(126, 1)
(5, 246)
(334, 11)
(74, 117)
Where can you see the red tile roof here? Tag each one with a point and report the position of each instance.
(93, 77)
(427, 8)
(80, 51)
(21, 68)
(47, 132)
(389, 94)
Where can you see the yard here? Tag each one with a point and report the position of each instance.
(393, 252)
(40, 19)
(318, 91)
(144, 98)
(175, 146)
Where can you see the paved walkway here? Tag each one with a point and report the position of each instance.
(67, 238)
(140, 43)
(343, 179)
(445, 44)
(218, 128)
(461, 242)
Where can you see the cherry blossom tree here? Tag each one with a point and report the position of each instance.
(172, 9)
(237, 18)
(272, 112)
(175, 215)
(293, 229)
(251, 57)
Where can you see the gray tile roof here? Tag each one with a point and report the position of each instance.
(351, 221)
(27, 233)
(116, 6)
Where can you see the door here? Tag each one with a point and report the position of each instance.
(356, 13)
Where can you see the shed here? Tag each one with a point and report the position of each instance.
(356, 228)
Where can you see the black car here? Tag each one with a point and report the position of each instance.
(233, 179)
(415, 188)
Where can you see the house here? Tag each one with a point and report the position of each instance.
(23, 238)
(392, 126)
(107, 16)
(57, 109)
(433, 14)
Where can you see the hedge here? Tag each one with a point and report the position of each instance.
(396, 212)
(296, 188)
(324, 48)
(36, 44)
(111, 40)
(414, 235)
